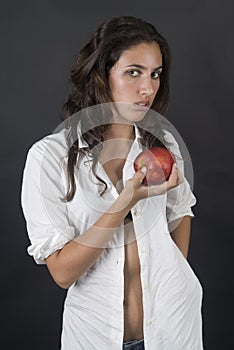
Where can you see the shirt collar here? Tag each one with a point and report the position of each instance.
(84, 144)
(137, 133)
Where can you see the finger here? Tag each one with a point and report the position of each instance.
(144, 170)
(180, 177)
(173, 178)
(155, 190)
(140, 174)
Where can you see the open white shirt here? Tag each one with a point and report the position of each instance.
(93, 310)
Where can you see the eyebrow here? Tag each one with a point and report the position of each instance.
(141, 67)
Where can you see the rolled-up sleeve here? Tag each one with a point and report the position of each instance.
(181, 198)
(45, 213)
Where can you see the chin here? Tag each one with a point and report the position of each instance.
(129, 112)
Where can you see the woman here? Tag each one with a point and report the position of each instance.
(104, 235)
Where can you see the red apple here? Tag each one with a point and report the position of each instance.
(158, 162)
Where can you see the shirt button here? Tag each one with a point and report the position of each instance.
(146, 286)
(137, 213)
(148, 323)
(144, 250)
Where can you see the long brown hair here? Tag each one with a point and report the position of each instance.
(90, 81)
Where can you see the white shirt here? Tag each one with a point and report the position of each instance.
(93, 310)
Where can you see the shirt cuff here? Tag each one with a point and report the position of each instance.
(187, 212)
(41, 250)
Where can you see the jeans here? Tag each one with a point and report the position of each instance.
(134, 345)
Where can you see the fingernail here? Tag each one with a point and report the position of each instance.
(144, 169)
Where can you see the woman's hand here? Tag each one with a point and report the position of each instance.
(136, 191)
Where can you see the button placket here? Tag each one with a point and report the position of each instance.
(145, 263)
(137, 212)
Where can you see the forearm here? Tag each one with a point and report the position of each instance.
(180, 233)
(68, 264)
(76, 257)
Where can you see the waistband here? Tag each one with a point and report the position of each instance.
(130, 343)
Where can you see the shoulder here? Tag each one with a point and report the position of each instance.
(171, 141)
(54, 147)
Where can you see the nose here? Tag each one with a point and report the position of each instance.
(146, 87)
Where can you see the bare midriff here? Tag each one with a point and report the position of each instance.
(133, 307)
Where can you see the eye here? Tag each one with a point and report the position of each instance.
(133, 73)
(156, 74)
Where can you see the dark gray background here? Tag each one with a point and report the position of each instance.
(39, 40)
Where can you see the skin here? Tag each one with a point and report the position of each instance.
(135, 77)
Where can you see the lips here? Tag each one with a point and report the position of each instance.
(142, 105)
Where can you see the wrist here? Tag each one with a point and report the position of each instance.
(127, 198)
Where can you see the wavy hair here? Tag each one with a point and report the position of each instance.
(90, 82)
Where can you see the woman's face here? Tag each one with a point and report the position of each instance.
(135, 79)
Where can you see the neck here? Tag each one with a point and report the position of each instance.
(119, 130)
(118, 139)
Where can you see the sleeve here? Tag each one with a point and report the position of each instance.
(45, 214)
(181, 198)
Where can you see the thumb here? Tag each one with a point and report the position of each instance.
(141, 173)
